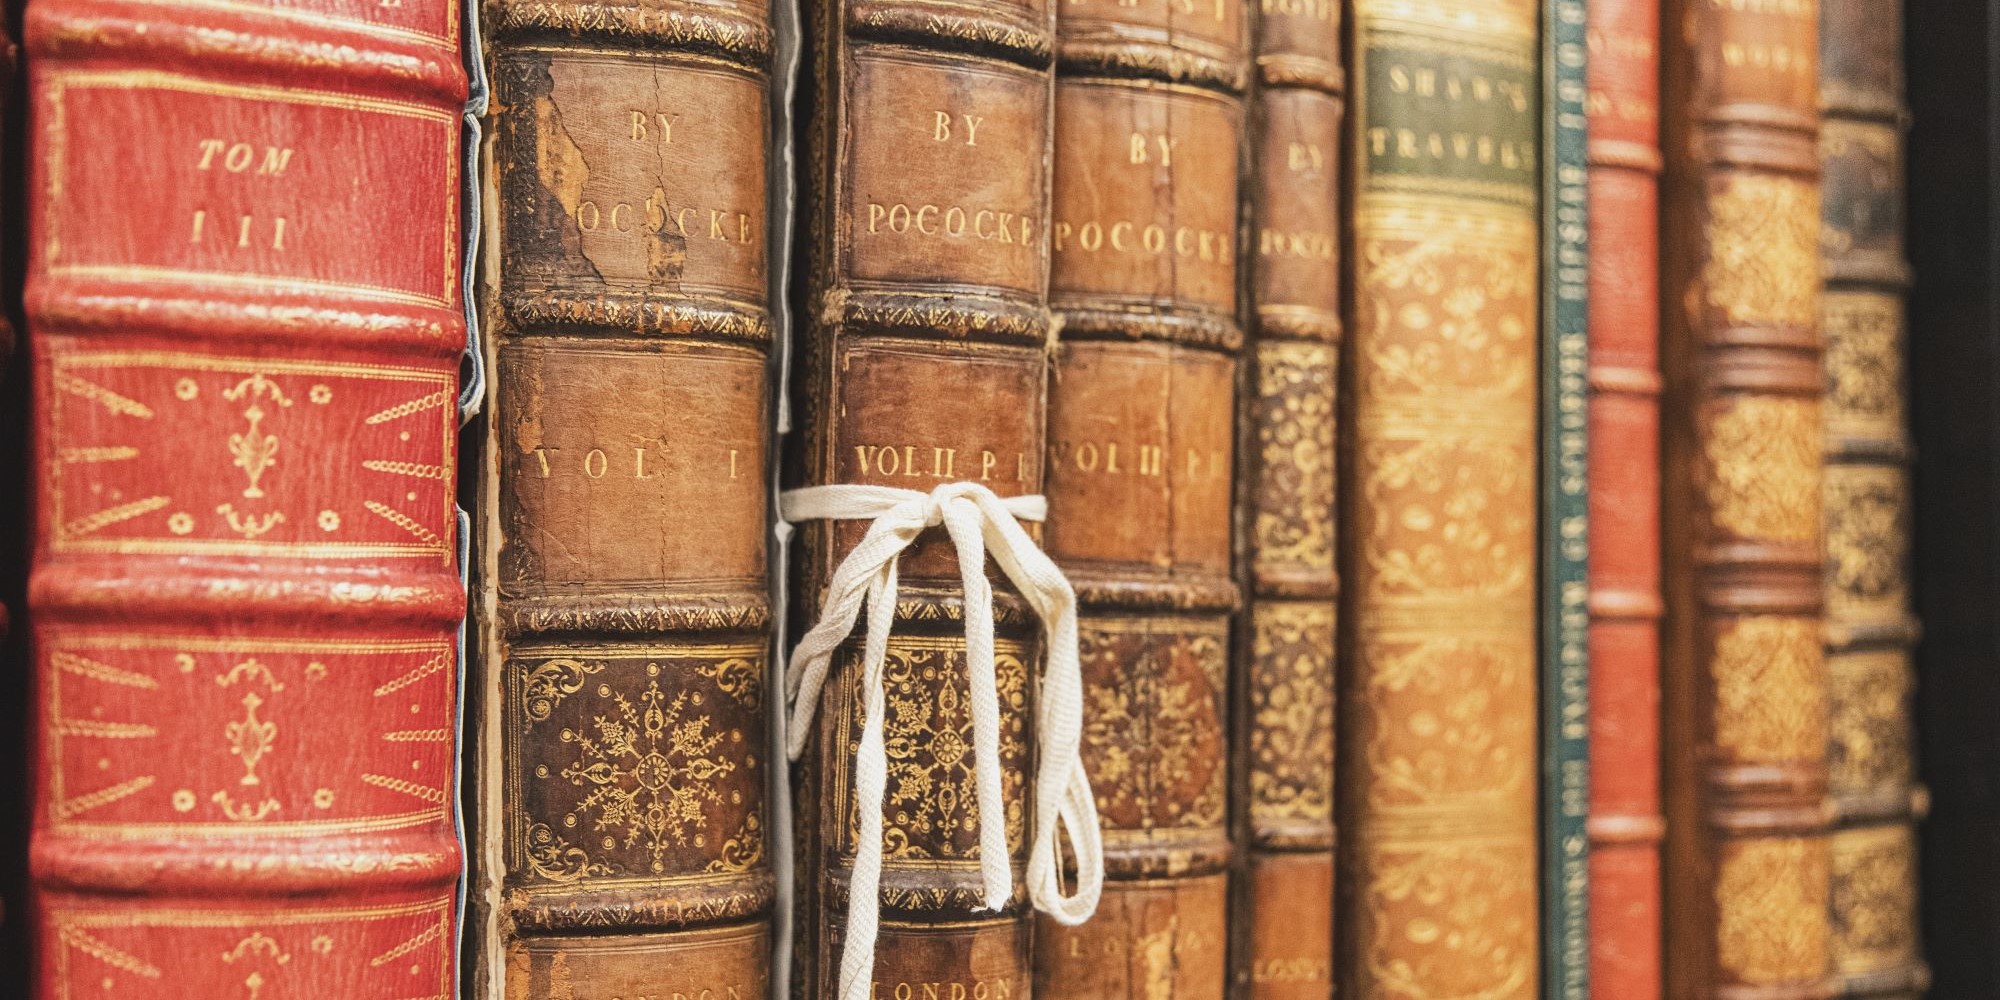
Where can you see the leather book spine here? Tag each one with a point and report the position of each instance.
(1564, 548)
(1284, 644)
(1625, 825)
(623, 751)
(1744, 676)
(1870, 630)
(921, 360)
(1437, 785)
(1149, 129)
(243, 296)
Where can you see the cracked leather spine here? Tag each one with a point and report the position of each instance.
(1744, 676)
(923, 315)
(1150, 122)
(623, 753)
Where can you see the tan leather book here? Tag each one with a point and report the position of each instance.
(1437, 782)
(1744, 677)
(1149, 128)
(921, 361)
(1284, 673)
(624, 601)
(1866, 505)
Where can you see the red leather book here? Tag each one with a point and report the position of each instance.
(1625, 824)
(245, 319)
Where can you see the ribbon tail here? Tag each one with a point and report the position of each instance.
(962, 522)
(871, 781)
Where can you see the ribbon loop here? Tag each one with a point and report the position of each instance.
(978, 521)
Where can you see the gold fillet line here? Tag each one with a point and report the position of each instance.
(421, 671)
(112, 515)
(224, 547)
(427, 793)
(287, 917)
(123, 961)
(299, 828)
(413, 470)
(424, 937)
(210, 644)
(175, 275)
(406, 522)
(181, 360)
(152, 79)
(418, 736)
(691, 651)
(330, 20)
(400, 410)
(105, 730)
(85, 456)
(66, 808)
(83, 666)
(95, 393)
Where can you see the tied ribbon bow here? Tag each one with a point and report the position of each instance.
(977, 520)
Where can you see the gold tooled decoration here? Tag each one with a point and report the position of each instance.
(1291, 705)
(1295, 444)
(1446, 745)
(931, 809)
(1763, 239)
(1152, 731)
(1870, 745)
(1770, 703)
(1867, 541)
(649, 773)
(1874, 898)
(1770, 900)
(1764, 468)
(1452, 921)
(1864, 363)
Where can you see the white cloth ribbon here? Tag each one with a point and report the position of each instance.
(977, 520)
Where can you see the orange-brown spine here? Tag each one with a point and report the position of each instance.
(1149, 133)
(1745, 681)
(623, 756)
(1437, 785)
(1284, 684)
(921, 360)
(1625, 823)
(1870, 631)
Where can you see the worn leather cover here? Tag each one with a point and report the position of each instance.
(243, 301)
(1866, 505)
(1282, 948)
(1149, 127)
(623, 753)
(1626, 827)
(921, 360)
(1437, 784)
(1744, 676)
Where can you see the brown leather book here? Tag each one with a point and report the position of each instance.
(1283, 948)
(1148, 136)
(1870, 630)
(1437, 782)
(1625, 825)
(622, 746)
(921, 361)
(1744, 676)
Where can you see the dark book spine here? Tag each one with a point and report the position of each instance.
(1870, 630)
(1284, 674)
(1565, 527)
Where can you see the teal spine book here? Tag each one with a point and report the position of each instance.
(1565, 521)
